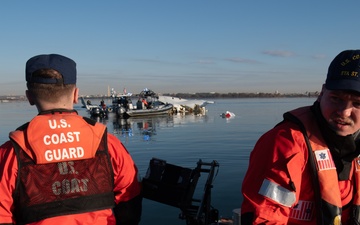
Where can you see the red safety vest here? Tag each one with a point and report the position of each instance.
(64, 167)
(329, 202)
(292, 178)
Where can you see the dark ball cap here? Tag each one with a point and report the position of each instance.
(65, 66)
(344, 72)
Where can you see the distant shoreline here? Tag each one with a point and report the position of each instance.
(11, 98)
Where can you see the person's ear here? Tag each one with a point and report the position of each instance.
(76, 95)
(29, 97)
(321, 93)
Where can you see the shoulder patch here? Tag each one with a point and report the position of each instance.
(324, 160)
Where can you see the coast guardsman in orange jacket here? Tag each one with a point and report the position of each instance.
(306, 170)
(61, 168)
(45, 186)
(287, 194)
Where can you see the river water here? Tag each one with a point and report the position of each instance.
(184, 139)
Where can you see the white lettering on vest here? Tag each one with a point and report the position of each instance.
(63, 123)
(64, 154)
(70, 186)
(53, 124)
(62, 138)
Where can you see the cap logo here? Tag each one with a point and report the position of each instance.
(349, 73)
(346, 61)
(344, 72)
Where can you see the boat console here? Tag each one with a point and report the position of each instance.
(177, 186)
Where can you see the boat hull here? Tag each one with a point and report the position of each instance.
(160, 110)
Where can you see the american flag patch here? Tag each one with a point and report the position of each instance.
(357, 164)
(302, 211)
(324, 160)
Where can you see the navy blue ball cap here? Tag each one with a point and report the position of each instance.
(65, 66)
(344, 72)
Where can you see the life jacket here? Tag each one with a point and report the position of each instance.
(324, 175)
(63, 167)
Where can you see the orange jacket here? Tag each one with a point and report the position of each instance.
(278, 188)
(66, 137)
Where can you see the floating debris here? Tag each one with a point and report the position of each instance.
(227, 114)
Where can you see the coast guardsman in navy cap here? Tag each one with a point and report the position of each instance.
(306, 169)
(65, 66)
(344, 72)
(62, 168)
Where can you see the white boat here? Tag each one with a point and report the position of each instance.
(148, 104)
(185, 105)
(88, 104)
(156, 108)
(95, 110)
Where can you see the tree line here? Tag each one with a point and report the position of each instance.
(240, 95)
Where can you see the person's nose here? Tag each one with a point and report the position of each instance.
(345, 109)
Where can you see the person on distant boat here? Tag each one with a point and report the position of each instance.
(306, 170)
(126, 103)
(62, 168)
(145, 102)
(103, 105)
(139, 104)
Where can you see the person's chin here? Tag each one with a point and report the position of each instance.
(343, 130)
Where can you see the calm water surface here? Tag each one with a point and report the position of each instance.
(183, 140)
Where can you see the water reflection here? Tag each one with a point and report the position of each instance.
(147, 127)
(122, 126)
(100, 119)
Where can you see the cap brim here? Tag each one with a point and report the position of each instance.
(345, 84)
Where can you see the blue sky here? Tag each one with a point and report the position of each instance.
(173, 46)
